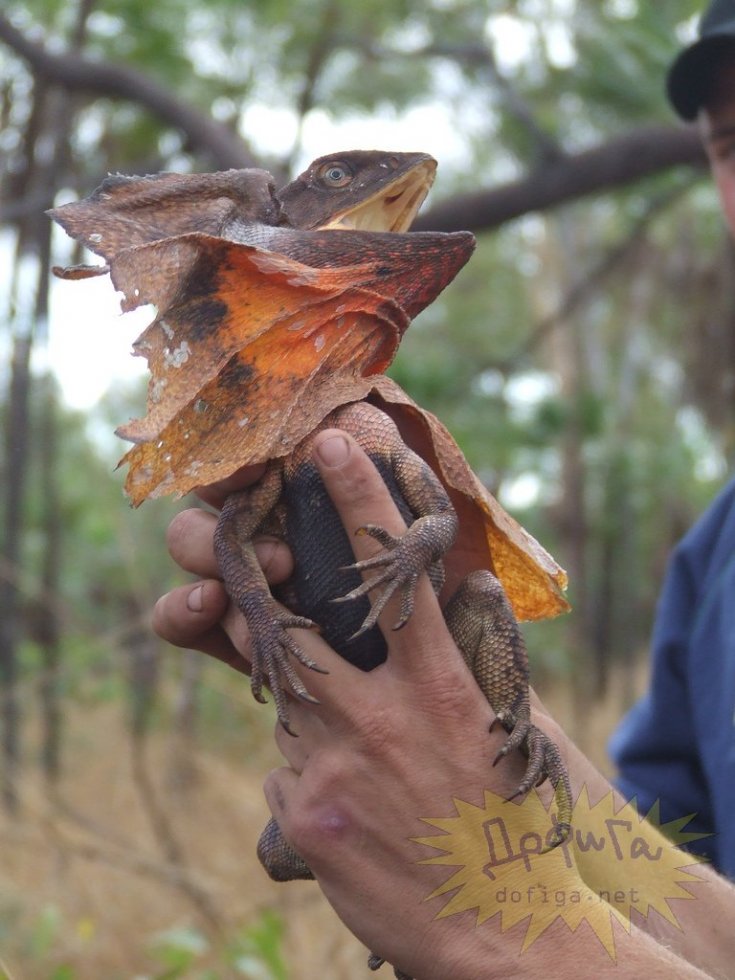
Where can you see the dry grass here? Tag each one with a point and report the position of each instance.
(95, 864)
(86, 882)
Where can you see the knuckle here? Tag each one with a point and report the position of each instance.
(319, 830)
(361, 480)
(326, 775)
(185, 534)
(322, 818)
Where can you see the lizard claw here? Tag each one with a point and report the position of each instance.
(375, 962)
(380, 534)
(392, 584)
(405, 559)
(544, 762)
(272, 648)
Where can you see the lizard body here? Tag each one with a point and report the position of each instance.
(342, 211)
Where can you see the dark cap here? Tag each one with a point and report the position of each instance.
(690, 75)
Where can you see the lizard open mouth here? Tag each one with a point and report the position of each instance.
(394, 206)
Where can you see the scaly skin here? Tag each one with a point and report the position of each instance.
(327, 588)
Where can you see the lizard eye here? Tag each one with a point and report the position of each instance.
(335, 174)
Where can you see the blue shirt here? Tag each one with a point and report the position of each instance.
(677, 745)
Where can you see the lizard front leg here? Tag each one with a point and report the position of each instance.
(483, 626)
(243, 514)
(421, 548)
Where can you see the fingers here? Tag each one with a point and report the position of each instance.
(215, 493)
(355, 486)
(362, 491)
(423, 649)
(189, 538)
(189, 617)
(197, 616)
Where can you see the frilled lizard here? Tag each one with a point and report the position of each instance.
(347, 210)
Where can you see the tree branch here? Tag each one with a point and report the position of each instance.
(590, 281)
(213, 140)
(317, 59)
(640, 153)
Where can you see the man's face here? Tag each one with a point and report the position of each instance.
(717, 122)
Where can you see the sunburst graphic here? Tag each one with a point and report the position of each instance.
(613, 862)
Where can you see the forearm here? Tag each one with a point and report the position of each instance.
(706, 926)
(703, 933)
(560, 953)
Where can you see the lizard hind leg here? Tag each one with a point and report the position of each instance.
(484, 628)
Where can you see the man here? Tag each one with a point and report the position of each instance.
(678, 744)
(384, 749)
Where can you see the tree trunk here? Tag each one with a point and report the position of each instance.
(16, 459)
(182, 771)
(49, 632)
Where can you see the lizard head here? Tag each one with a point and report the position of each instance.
(365, 190)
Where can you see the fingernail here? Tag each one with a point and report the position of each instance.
(333, 451)
(195, 599)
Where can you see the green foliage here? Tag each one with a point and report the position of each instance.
(44, 931)
(255, 952)
(493, 358)
(34, 939)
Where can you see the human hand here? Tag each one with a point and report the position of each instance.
(382, 751)
(409, 706)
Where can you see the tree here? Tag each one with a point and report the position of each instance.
(543, 120)
(553, 175)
